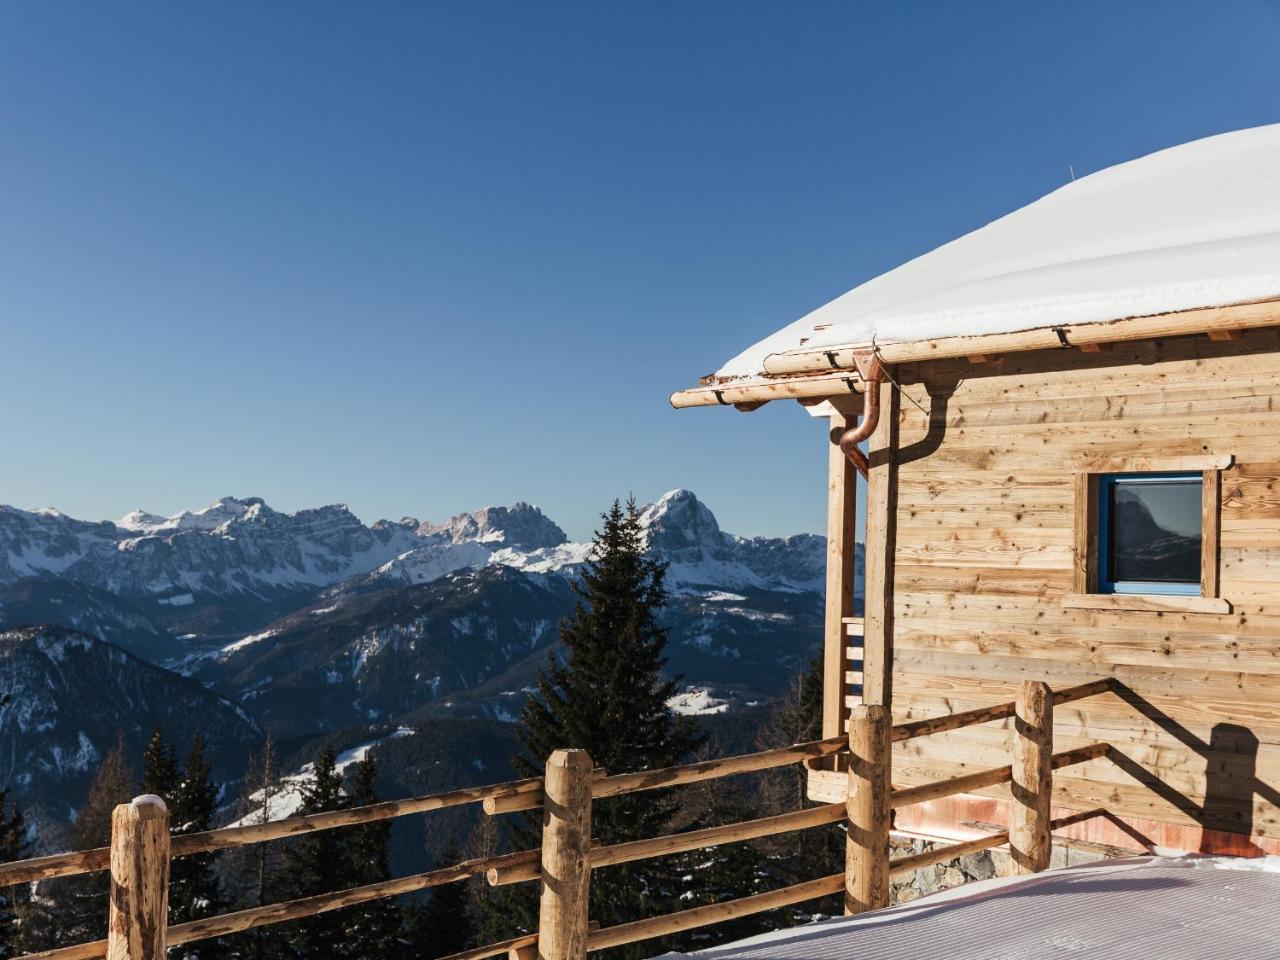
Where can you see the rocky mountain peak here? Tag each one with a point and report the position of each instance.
(681, 527)
(520, 526)
(215, 515)
(140, 521)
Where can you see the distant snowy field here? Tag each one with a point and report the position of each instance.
(287, 801)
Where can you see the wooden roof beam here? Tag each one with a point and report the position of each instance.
(1217, 322)
(750, 395)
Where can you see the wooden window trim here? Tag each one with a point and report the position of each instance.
(1148, 602)
(1085, 565)
(1210, 531)
(1084, 573)
(1154, 464)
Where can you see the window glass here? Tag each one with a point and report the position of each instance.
(1152, 529)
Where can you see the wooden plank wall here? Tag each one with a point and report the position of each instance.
(983, 556)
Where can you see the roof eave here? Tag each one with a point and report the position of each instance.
(831, 371)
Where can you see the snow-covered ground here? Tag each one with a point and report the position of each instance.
(287, 800)
(248, 641)
(1165, 908)
(696, 702)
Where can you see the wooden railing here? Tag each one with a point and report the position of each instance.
(141, 847)
(138, 903)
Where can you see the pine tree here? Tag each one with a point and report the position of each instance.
(488, 907)
(725, 872)
(80, 903)
(373, 929)
(443, 926)
(160, 769)
(254, 871)
(319, 862)
(193, 888)
(803, 854)
(12, 847)
(609, 697)
(190, 796)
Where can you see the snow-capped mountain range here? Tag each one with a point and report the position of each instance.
(245, 557)
(231, 547)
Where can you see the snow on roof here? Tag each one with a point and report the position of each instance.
(1197, 225)
(1185, 908)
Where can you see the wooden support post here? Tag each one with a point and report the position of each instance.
(566, 856)
(1030, 841)
(866, 866)
(842, 478)
(139, 904)
(882, 510)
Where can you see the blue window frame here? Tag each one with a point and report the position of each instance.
(1149, 533)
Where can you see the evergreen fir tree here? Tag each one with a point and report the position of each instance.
(725, 872)
(160, 770)
(803, 854)
(193, 888)
(318, 863)
(12, 847)
(80, 903)
(190, 796)
(254, 872)
(373, 929)
(488, 908)
(609, 697)
(443, 926)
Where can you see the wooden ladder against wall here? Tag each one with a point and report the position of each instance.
(854, 631)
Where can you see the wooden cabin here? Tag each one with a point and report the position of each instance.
(1071, 420)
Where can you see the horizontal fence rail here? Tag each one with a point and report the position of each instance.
(242, 920)
(527, 868)
(999, 711)
(982, 779)
(88, 861)
(713, 769)
(670, 923)
(623, 783)
(79, 862)
(567, 856)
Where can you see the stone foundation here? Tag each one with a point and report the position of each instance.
(976, 866)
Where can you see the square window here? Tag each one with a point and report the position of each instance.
(1150, 534)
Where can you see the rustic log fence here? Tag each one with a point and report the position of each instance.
(141, 847)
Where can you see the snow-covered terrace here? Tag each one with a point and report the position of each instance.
(1177, 908)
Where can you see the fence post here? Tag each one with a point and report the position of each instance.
(566, 852)
(139, 910)
(866, 866)
(1030, 842)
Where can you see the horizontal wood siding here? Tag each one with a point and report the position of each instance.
(985, 554)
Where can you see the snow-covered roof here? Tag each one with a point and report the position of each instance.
(1197, 225)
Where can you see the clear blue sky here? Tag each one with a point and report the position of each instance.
(423, 257)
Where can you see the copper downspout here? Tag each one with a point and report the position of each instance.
(873, 375)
